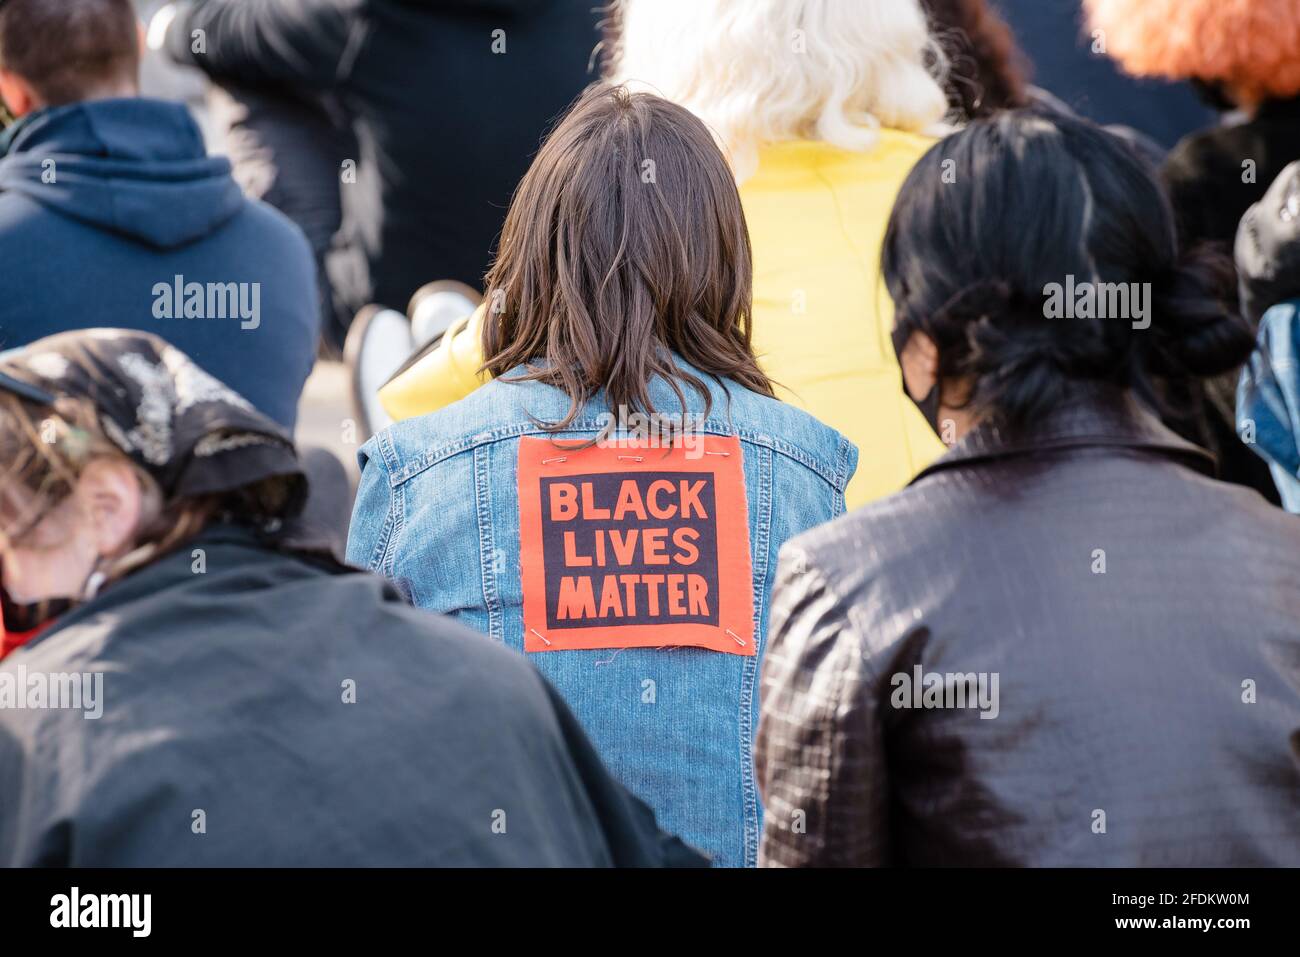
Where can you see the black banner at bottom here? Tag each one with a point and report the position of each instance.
(370, 906)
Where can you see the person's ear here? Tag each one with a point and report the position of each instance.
(920, 363)
(18, 94)
(112, 504)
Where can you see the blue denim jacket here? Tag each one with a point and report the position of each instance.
(1268, 400)
(438, 513)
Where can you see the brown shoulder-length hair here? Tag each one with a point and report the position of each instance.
(625, 243)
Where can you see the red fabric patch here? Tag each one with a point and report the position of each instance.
(635, 547)
(13, 640)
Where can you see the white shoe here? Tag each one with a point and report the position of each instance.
(378, 342)
(436, 305)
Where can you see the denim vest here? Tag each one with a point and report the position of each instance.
(438, 512)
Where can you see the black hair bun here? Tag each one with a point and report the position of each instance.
(1023, 363)
(1197, 328)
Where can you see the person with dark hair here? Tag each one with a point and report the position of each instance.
(1064, 643)
(821, 107)
(218, 691)
(110, 207)
(612, 502)
(1245, 56)
(986, 70)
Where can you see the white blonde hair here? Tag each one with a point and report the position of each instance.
(766, 71)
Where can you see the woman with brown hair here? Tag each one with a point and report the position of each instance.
(613, 501)
(821, 107)
(182, 673)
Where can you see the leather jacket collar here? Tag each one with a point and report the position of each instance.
(1094, 414)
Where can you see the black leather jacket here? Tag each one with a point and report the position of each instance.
(1125, 631)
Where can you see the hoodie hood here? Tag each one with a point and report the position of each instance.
(136, 167)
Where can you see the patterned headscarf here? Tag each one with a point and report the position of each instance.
(189, 432)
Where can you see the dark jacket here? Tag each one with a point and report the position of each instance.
(445, 126)
(103, 204)
(225, 691)
(1143, 624)
(1207, 175)
(289, 152)
(1211, 188)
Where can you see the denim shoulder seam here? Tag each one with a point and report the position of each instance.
(834, 474)
(383, 558)
(760, 548)
(465, 443)
(846, 462)
(489, 569)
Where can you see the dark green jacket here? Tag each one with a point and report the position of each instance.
(229, 734)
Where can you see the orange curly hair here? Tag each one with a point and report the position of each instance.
(1251, 45)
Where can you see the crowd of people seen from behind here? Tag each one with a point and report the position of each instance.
(818, 433)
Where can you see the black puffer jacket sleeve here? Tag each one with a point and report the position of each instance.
(309, 43)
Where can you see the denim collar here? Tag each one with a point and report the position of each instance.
(1093, 415)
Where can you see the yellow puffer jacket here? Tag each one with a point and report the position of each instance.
(822, 319)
